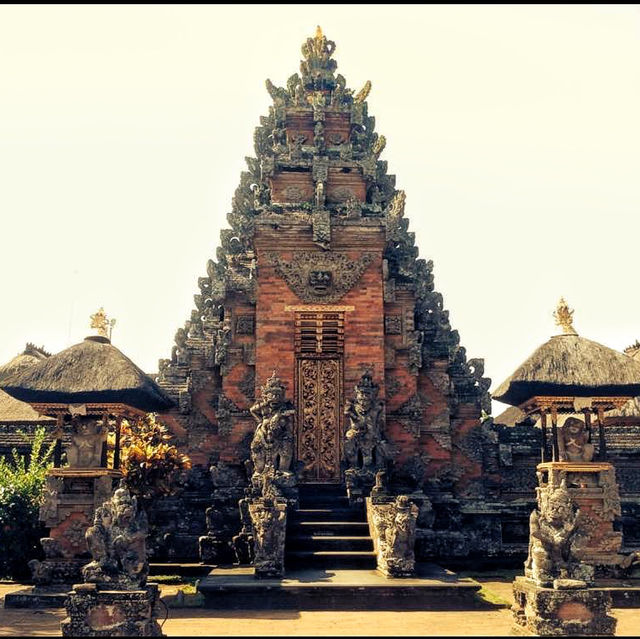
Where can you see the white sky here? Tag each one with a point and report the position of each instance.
(513, 130)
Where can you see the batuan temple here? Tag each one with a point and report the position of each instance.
(331, 413)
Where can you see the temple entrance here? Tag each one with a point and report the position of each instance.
(318, 416)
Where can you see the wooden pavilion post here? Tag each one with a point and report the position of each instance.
(587, 422)
(57, 451)
(103, 454)
(116, 452)
(602, 441)
(543, 428)
(554, 433)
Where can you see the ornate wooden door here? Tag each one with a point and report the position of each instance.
(319, 386)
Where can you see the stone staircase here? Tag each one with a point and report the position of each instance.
(325, 532)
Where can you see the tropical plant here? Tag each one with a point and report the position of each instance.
(22, 482)
(152, 467)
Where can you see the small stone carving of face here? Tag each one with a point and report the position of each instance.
(574, 426)
(274, 398)
(320, 281)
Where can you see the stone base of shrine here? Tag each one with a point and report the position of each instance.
(93, 612)
(38, 597)
(432, 588)
(557, 612)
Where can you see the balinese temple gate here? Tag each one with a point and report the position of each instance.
(318, 287)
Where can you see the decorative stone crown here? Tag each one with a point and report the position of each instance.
(273, 384)
(564, 317)
(366, 384)
(317, 68)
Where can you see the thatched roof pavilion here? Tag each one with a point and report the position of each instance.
(570, 365)
(571, 374)
(93, 371)
(13, 411)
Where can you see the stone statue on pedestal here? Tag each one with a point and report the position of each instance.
(573, 441)
(87, 440)
(394, 527)
(117, 542)
(272, 444)
(365, 449)
(115, 599)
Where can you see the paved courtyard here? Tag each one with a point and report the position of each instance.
(202, 622)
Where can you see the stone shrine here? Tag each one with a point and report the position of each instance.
(88, 388)
(115, 599)
(572, 541)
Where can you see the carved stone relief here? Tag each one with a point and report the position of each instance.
(297, 273)
(245, 325)
(393, 324)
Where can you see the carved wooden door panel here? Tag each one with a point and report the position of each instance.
(318, 419)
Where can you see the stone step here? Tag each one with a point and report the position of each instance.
(332, 528)
(330, 559)
(316, 589)
(321, 500)
(336, 489)
(327, 514)
(323, 542)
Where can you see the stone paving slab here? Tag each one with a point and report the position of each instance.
(201, 622)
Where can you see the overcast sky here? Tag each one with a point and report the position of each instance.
(513, 130)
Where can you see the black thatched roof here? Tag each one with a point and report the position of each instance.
(30, 356)
(93, 371)
(573, 366)
(13, 411)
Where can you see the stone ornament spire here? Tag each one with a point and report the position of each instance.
(102, 324)
(564, 317)
(318, 68)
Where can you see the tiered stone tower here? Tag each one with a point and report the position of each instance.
(318, 278)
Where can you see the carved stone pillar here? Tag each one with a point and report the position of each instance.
(269, 521)
(392, 522)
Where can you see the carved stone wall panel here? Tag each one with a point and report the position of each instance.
(393, 325)
(245, 324)
(315, 276)
(345, 186)
(337, 128)
(292, 187)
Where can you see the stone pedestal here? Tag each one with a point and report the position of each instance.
(392, 521)
(269, 522)
(560, 612)
(95, 612)
(71, 497)
(594, 491)
(359, 483)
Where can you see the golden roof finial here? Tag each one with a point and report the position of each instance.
(103, 325)
(319, 34)
(564, 317)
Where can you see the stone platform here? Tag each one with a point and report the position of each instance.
(38, 597)
(433, 588)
